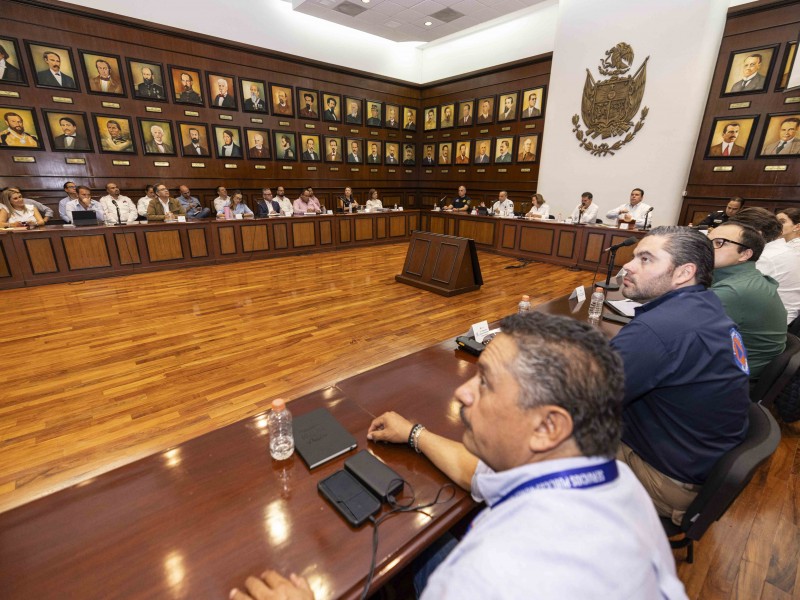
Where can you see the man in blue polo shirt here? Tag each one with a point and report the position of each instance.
(686, 373)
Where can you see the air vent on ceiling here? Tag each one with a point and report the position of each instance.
(447, 15)
(349, 9)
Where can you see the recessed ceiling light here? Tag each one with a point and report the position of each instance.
(427, 23)
(365, 1)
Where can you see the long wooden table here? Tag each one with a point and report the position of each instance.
(195, 520)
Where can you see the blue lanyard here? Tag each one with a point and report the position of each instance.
(571, 479)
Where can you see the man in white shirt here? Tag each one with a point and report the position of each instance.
(632, 211)
(221, 201)
(539, 450)
(72, 194)
(586, 211)
(143, 202)
(116, 207)
(503, 207)
(85, 202)
(286, 205)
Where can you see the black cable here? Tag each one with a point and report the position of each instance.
(396, 509)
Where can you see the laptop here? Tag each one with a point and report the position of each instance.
(84, 218)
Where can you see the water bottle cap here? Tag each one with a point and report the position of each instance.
(598, 289)
(279, 404)
(526, 298)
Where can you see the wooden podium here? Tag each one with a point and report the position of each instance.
(443, 264)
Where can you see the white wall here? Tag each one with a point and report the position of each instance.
(682, 38)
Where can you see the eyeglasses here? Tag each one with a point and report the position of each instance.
(720, 242)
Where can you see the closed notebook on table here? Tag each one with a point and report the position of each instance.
(319, 437)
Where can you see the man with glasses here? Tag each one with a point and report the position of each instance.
(686, 385)
(749, 298)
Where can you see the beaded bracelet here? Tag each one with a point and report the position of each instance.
(413, 437)
(411, 434)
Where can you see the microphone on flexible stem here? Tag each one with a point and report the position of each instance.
(646, 215)
(524, 212)
(607, 285)
(119, 217)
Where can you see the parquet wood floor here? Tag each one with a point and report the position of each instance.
(100, 373)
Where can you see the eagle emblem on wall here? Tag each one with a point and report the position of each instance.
(609, 106)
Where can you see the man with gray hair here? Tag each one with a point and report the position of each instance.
(542, 423)
(686, 372)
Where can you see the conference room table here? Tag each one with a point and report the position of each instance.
(195, 520)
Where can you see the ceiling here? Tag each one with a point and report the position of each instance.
(405, 20)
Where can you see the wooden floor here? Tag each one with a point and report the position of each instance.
(101, 373)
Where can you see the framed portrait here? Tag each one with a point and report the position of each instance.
(507, 107)
(374, 113)
(332, 107)
(409, 118)
(185, 86)
(19, 128)
(463, 152)
(444, 156)
(281, 96)
(409, 155)
(781, 136)
(391, 154)
(253, 94)
(392, 116)
(430, 122)
(257, 144)
(115, 133)
(466, 115)
(483, 151)
(194, 139)
(14, 73)
(53, 66)
(68, 131)
(355, 151)
(308, 101)
(485, 110)
(532, 103)
(429, 155)
(374, 151)
(103, 73)
(228, 141)
(731, 137)
(156, 136)
(528, 148)
(786, 66)
(221, 91)
(311, 148)
(285, 145)
(749, 70)
(446, 116)
(147, 80)
(503, 149)
(333, 149)
(354, 114)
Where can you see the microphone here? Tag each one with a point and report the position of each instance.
(646, 215)
(442, 199)
(119, 217)
(626, 242)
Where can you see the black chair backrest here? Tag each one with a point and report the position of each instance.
(778, 372)
(732, 472)
(598, 220)
(794, 326)
(553, 217)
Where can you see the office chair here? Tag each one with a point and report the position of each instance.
(727, 479)
(794, 326)
(778, 373)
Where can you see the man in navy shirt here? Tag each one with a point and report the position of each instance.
(686, 373)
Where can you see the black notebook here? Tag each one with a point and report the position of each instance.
(319, 437)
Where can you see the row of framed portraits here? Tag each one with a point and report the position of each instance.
(69, 131)
(732, 137)
(503, 108)
(750, 70)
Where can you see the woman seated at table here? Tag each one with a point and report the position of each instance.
(539, 209)
(15, 213)
(347, 201)
(237, 207)
(374, 202)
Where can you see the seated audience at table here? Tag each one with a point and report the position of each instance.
(238, 207)
(44, 211)
(543, 407)
(461, 202)
(686, 375)
(503, 207)
(123, 211)
(749, 297)
(373, 202)
(71, 190)
(539, 208)
(15, 212)
(143, 202)
(85, 202)
(586, 211)
(267, 205)
(191, 205)
(221, 201)
(347, 200)
(164, 207)
(632, 211)
(306, 203)
(721, 216)
(286, 205)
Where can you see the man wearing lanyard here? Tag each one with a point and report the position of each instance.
(542, 424)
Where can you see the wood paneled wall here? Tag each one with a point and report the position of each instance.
(52, 22)
(748, 28)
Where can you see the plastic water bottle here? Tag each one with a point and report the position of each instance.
(524, 305)
(281, 436)
(596, 304)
